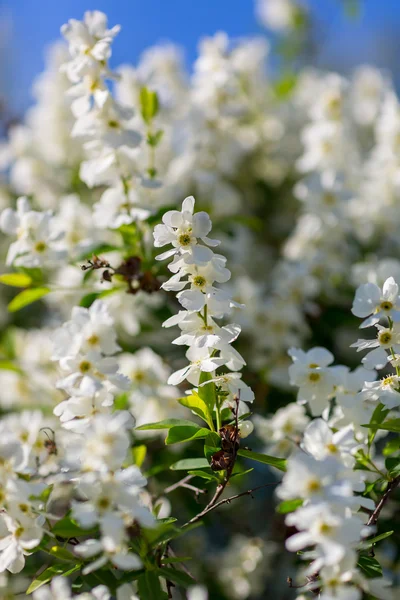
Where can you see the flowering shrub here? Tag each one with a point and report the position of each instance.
(120, 459)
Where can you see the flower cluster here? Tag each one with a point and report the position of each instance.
(321, 477)
(298, 177)
(104, 125)
(196, 269)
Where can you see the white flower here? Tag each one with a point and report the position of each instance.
(117, 207)
(318, 524)
(16, 541)
(182, 230)
(88, 373)
(113, 546)
(104, 445)
(311, 373)
(372, 300)
(232, 384)
(387, 339)
(37, 236)
(89, 44)
(278, 15)
(308, 478)
(89, 330)
(386, 390)
(200, 361)
(320, 442)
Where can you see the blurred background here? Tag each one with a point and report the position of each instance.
(340, 35)
(346, 32)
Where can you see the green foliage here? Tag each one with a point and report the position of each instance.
(149, 104)
(149, 587)
(278, 463)
(187, 464)
(27, 297)
(54, 571)
(391, 425)
(369, 566)
(198, 405)
(378, 416)
(185, 433)
(167, 424)
(288, 506)
(20, 280)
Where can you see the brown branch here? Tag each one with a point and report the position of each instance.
(212, 505)
(178, 484)
(389, 490)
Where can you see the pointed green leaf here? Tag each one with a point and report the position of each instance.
(185, 434)
(370, 566)
(178, 577)
(378, 538)
(27, 297)
(198, 406)
(207, 392)
(378, 416)
(48, 574)
(278, 463)
(148, 104)
(149, 587)
(167, 424)
(189, 464)
(391, 425)
(139, 454)
(288, 506)
(67, 528)
(16, 279)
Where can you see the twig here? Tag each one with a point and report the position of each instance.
(390, 488)
(178, 484)
(212, 505)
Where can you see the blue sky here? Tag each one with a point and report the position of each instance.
(34, 24)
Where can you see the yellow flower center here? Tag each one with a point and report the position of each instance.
(85, 366)
(314, 377)
(386, 305)
(40, 247)
(184, 239)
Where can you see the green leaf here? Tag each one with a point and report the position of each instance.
(62, 553)
(198, 406)
(185, 433)
(393, 466)
(370, 566)
(148, 104)
(178, 577)
(190, 464)
(7, 365)
(175, 559)
(48, 574)
(27, 297)
(278, 463)
(16, 279)
(167, 424)
(154, 139)
(149, 587)
(207, 392)
(67, 528)
(392, 446)
(288, 506)
(391, 425)
(378, 416)
(139, 454)
(378, 538)
(204, 475)
(211, 445)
